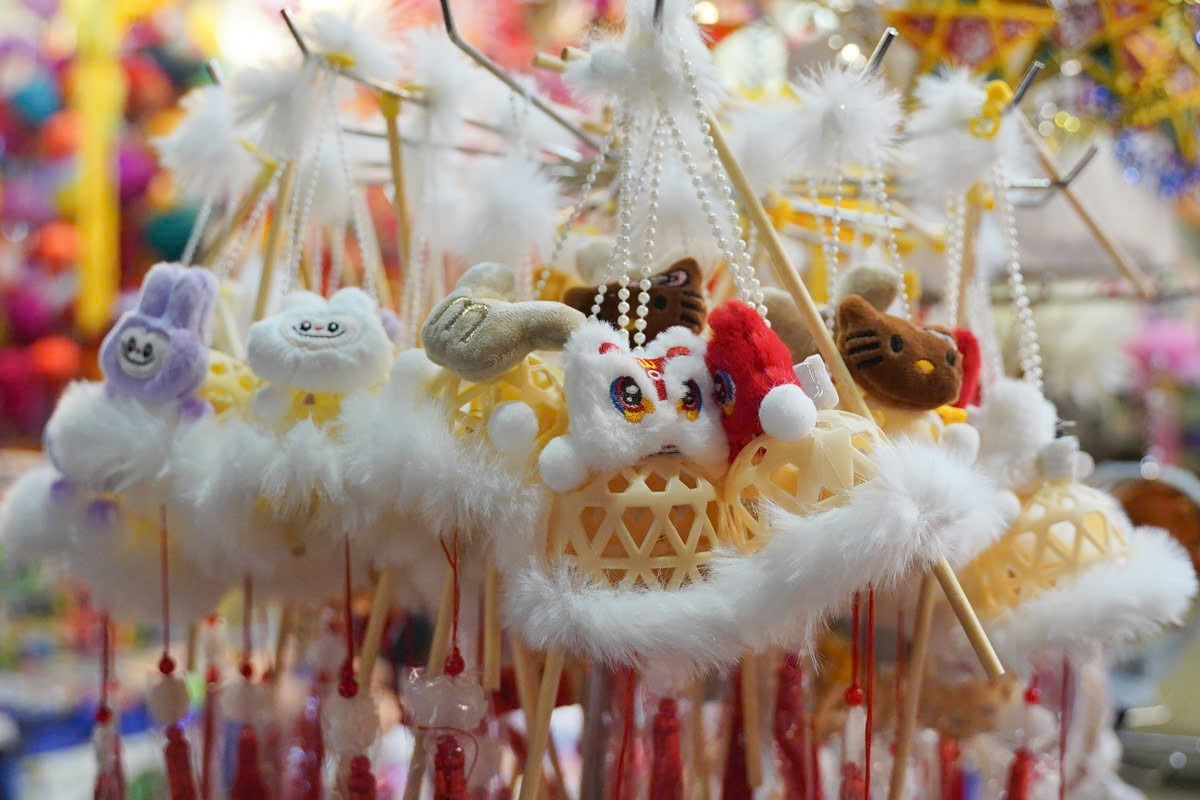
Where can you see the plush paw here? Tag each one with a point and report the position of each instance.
(101, 514)
(62, 491)
(787, 414)
(561, 467)
(512, 429)
(962, 441)
(193, 407)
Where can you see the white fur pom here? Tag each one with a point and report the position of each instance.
(761, 145)
(433, 62)
(514, 216)
(946, 158)
(512, 428)
(30, 529)
(962, 440)
(1014, 422)
(358, 32)
(168, 700)
(350, 725)
(847, 117)
(203, 149)
(644, 67)
(276, 97)
(1107, 606)
(561, 466)
(107, 441)
(786, 413)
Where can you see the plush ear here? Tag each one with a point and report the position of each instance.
(298, 299)
(877, 285)
(972, 363)
(674, 338)
(156, 288)
(190, 304)
(684, 273)
(788, 324)
(594, 338)
(854, 312)
(353, 299)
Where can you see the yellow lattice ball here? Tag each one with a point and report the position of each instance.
(1063, 527)
(651, 525)
(532, 381)
(802, 477)
(229, 385)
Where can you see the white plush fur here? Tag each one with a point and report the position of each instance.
(30, 528)
(1014, 422)
(643, 67)
(921, 506)
(514, 213)
(203, 150)
(512, 429)
(786, 413)
(600, 436)
(1106, 607)
(846, 117)
(446, 76)
(359, 30)
(276, 97)
(762, 150)
(688, 628)
(280, 350)
(109, 442)
(945, 157)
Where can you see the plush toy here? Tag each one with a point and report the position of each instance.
(314, 351)
(676, 298)
(623, 406)
(754, 382)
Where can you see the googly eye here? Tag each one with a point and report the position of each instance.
(692, 401)
(627, 397)
(333, 327)
(724, 391)
(306, 326)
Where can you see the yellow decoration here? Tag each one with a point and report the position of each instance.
(230, 385)
(320, 407)
(997, 97)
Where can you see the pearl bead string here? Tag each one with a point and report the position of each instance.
(193, 241)
(879, 187)
(233, 253)
(1028, 349)
(655, 164)
(956, 210)
(618, 258)
(358, 224)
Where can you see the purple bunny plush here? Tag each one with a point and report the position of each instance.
(158, 352)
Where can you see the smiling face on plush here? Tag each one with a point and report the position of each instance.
(158, 351)
(624, 406)
(895, 361)
(337, 345)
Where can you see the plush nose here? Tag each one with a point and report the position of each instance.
(322, 327)
(923, 366)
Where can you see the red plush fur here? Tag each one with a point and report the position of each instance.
(756, 361)
(968, 350)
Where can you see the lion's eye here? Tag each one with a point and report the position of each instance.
(627, 397)
(724, 391)
(692, 401)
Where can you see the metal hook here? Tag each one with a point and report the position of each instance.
(492, 67)
(1026, 81)
(1049, 186)
(287, 19)
(658, 14)
(881, 48)
(214, 71)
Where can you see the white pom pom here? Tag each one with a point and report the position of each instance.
(560, 465)
(787, 414)
(168, 700)
(847, 117)
(512, 428)
(962, 441)
(350, 724)
(446, 701)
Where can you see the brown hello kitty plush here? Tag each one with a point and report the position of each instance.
(676, 298)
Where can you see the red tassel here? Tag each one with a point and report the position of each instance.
(449, 770)
(247, 779)
(110, 779)
(666, 772)
(951, 777)
(627, 765)
(791, 729)
(735, 784)
(854, 782)
(178, 756)
(1020, 775)
(360, 784)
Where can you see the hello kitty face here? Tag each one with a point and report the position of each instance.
(624, 406)
(337, 345)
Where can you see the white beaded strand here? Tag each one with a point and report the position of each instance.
(193, 241)
(233, 253)
(879, 187)
(1028, 349)
(650, 231)
(956, 210)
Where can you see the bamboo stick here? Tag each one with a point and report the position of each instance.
(538, 731)
(389, 104)
(248, 201)
(752, 718)
(274, 240)
(912, 688)
(376, 624)
(491, 630)
(851, 395)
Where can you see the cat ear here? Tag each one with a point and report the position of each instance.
(156, 288)
(594, 338)
(191, 301)
(853, 312)
(354, 300)
(685, 272)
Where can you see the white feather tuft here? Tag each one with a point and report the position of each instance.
(846, 117)
(1014, 422)
(358, 32)
(277, 95)
(204, 150)
(30, 529)
(516, 207)
(758, 139)
(644, 67)
(446, 78)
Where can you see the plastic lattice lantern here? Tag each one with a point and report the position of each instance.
(229, 385)
(1064, 527)
(650, 525)
(802, 477)
(533, 382)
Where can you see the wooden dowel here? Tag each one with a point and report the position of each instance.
(700, 767)
(433, 666)
(538, 730)
(381, 604)
(491, 630)
(550, 62)
(1128, 267)
(228, 326)
(389, 104)
(524, 669)
(907, 725)
(752, 719)
(287, 621)
(974, 217)
(851, 396)
(193, 638)
(208, 254)
(274, 239)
